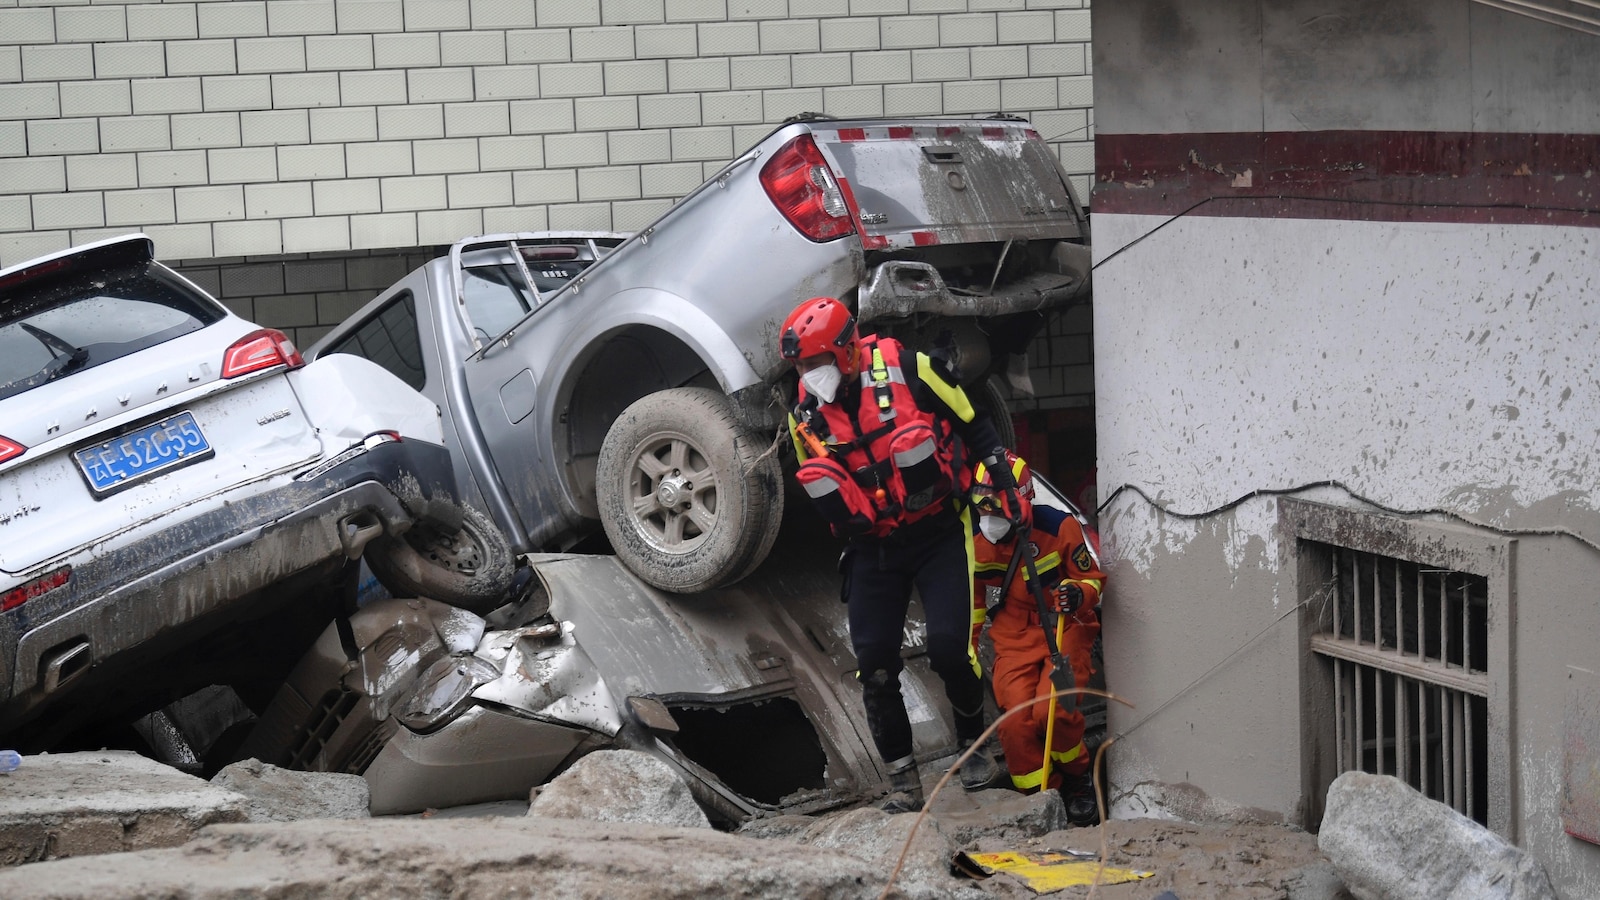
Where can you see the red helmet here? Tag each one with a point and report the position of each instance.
(992, 502)
(821, 325)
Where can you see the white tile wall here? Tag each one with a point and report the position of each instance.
(257, 127)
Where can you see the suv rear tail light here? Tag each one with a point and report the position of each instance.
(260, 350)
(40, 586)
(10, 449)
(804, 189)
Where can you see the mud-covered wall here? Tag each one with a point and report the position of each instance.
(1346, 251)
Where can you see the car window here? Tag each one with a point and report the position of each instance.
(389, 338)
(55, 326)
(496, 298)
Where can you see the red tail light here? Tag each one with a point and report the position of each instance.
(44, 584)
(804, 189)
(10, 448)
(260, 350)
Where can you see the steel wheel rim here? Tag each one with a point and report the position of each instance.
(456, 553)
(672, 494)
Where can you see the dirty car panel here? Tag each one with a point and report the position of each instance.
(170, 470)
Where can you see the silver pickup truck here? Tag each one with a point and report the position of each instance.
(633, 382)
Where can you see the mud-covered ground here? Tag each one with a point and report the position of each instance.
(1193, 862)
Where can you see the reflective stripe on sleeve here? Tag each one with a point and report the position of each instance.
(952, 395)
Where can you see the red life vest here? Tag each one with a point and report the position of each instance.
(889, 461)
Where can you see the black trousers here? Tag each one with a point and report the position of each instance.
(935, 556)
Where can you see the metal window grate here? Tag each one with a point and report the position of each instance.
(1409, 650)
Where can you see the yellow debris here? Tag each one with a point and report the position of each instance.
(1045, 871)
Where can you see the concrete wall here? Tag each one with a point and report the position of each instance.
(1355, 346)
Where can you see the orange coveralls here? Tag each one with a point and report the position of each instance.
(1022, 659)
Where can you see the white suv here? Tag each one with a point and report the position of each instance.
(169, 470)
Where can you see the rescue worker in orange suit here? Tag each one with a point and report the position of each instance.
(884, 436)
(1068, 568)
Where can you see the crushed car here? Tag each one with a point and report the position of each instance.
(182, 495)
(633, 384)
(747, 691)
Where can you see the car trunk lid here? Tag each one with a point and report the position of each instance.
(922, 183)
(196, 436)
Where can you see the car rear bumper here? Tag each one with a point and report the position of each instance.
(177, 584)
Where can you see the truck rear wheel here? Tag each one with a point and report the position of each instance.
(470, 568)
(687, 498)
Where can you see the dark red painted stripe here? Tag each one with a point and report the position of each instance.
(1392, 176)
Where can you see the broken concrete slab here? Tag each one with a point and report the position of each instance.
(457, 858)
(1390, 842)
(619, 786)
(79, 804)
(1001, 814)
(876, 837)
(273, 794)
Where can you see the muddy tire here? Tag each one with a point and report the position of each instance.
(990, 396)
(687, 497)
(470, 568)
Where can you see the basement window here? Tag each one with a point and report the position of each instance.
(1408, 647)
(1408, 662)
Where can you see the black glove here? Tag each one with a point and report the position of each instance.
(1069, 597)
(999, 472)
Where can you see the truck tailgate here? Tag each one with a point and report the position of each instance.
(919, 183)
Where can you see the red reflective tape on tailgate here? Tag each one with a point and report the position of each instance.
(994, 134)
(899, 132)
(924, 238)
(852, 134)
(874, 242)
(949, 131)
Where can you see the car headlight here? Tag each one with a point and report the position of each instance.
(443, 691)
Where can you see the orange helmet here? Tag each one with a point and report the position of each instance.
(992, 502)
(821, 325)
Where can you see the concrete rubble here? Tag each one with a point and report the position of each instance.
(272, 794)
(77, 804)
(619, 786)
(572, 839)
(455, 858)
(1389, 842)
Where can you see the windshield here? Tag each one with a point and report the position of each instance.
(51, 328)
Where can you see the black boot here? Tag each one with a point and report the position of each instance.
(1077, 792)
(980, 770)
(905, 788)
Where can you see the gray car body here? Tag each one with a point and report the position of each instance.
(697, 298)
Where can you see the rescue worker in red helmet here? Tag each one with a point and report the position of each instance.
(1069, 569)
(884, 437)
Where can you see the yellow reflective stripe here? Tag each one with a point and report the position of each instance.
(1044, 565)
(978, 615)
(952, 395)
(991, 567)
(1031, 780)
(1095, 583)
(1036, 778)
(1066, 756)
(880, 377)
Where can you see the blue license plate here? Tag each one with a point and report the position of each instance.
(137, 455)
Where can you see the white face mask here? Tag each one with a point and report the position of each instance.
(995, 528)
(822, 382)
